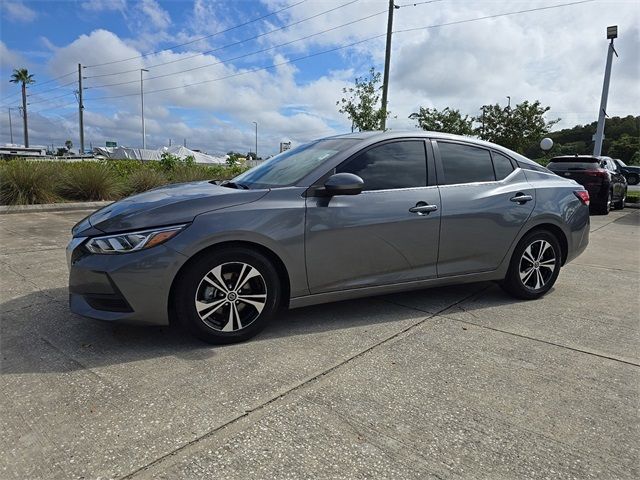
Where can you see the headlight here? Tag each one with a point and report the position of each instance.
(132, 241)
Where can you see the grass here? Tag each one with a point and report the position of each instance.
(28, 182)
(633, 197)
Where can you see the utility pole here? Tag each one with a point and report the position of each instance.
(184, 143)
(24, 115)
(10, 126)
(80, 109)
(387, 61)
(144, 134)
(612, 33)
(256, 124)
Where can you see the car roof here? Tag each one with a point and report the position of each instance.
(393, 134)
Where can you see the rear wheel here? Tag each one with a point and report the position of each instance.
(534, 266)
(605, 207)
(619, 205)
(633, 179)
(227, 296)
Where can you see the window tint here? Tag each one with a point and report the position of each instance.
(502, 165)
(392, 165)
(465, 164)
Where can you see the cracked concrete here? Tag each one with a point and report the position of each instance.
(443, 383)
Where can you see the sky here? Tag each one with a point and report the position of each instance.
(216, 67)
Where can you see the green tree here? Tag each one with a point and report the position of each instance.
(22, 76)
(625, 148)
(514, 128)
(362, 104)
(68, 145)
(446, 121)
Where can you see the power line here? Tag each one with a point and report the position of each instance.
(275, 65)
(242, 56)
(52, 89)
(51, 99)
(199, 54)
(486, 17)
(200, 38)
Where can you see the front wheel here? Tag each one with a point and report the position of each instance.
(534, 266)
(227, 296)
(633, 179)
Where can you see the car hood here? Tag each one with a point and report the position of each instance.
(169, 205)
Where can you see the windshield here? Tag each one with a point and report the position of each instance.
(621, 163)
(293, 165)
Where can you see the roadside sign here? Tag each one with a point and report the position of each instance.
(111, 144)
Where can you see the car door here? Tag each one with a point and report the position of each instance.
(386, 234)
(485, 201)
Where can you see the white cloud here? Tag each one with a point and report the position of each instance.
(18, 12)
(10, 59)
(155, 14)
(103, 5)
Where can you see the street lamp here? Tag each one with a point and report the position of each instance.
(256, 124)
(10, 125)
(144, 136)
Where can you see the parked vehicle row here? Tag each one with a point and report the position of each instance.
(338, 218)
(601, 176)
(630, 172)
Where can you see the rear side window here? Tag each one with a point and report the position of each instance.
(502, 165)
(465, 164)
(390, 166)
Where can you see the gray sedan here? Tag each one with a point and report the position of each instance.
(338, 218)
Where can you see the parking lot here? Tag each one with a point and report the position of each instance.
(444, 383)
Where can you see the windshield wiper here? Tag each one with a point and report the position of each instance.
(230, 184)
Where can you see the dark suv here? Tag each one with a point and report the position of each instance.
(630, 172)
(601, 176)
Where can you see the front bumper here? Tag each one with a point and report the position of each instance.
(132, 287)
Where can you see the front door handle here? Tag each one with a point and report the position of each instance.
(521, 198)
(423, 208)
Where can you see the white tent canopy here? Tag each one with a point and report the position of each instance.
(140, 154)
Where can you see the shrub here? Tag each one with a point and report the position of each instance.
(24, 182)
(89, 181)
(191, 173)
(142, 180)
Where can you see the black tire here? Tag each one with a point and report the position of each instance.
(227, 311)
(605, 207)
(513, 283)
(633, 179)
(619, 205)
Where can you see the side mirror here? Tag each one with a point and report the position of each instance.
(343, 184)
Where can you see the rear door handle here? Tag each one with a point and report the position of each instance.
(422, 208)
(521, 198)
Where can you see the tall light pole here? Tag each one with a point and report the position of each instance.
(144, 133)
(10, 125)
(80, 110)
(256, 124)
(612, 33)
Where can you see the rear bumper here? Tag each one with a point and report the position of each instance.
(132, 287)
(578, 238)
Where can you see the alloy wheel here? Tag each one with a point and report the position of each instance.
(537, 264)
(231, 296)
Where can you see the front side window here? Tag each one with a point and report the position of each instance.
(293, 165)
(389, 166)
(502, 165)
(465, 164)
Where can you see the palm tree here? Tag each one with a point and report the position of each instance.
(23, 76)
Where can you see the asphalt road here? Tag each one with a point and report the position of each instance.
(457, 382)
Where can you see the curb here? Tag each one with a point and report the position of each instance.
(52, 207)
(631, 205)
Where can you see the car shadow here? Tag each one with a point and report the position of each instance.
(39, 334)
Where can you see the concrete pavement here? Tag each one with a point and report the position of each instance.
(443, 383)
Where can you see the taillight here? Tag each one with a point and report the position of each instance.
(597, 173)
(583, 195)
